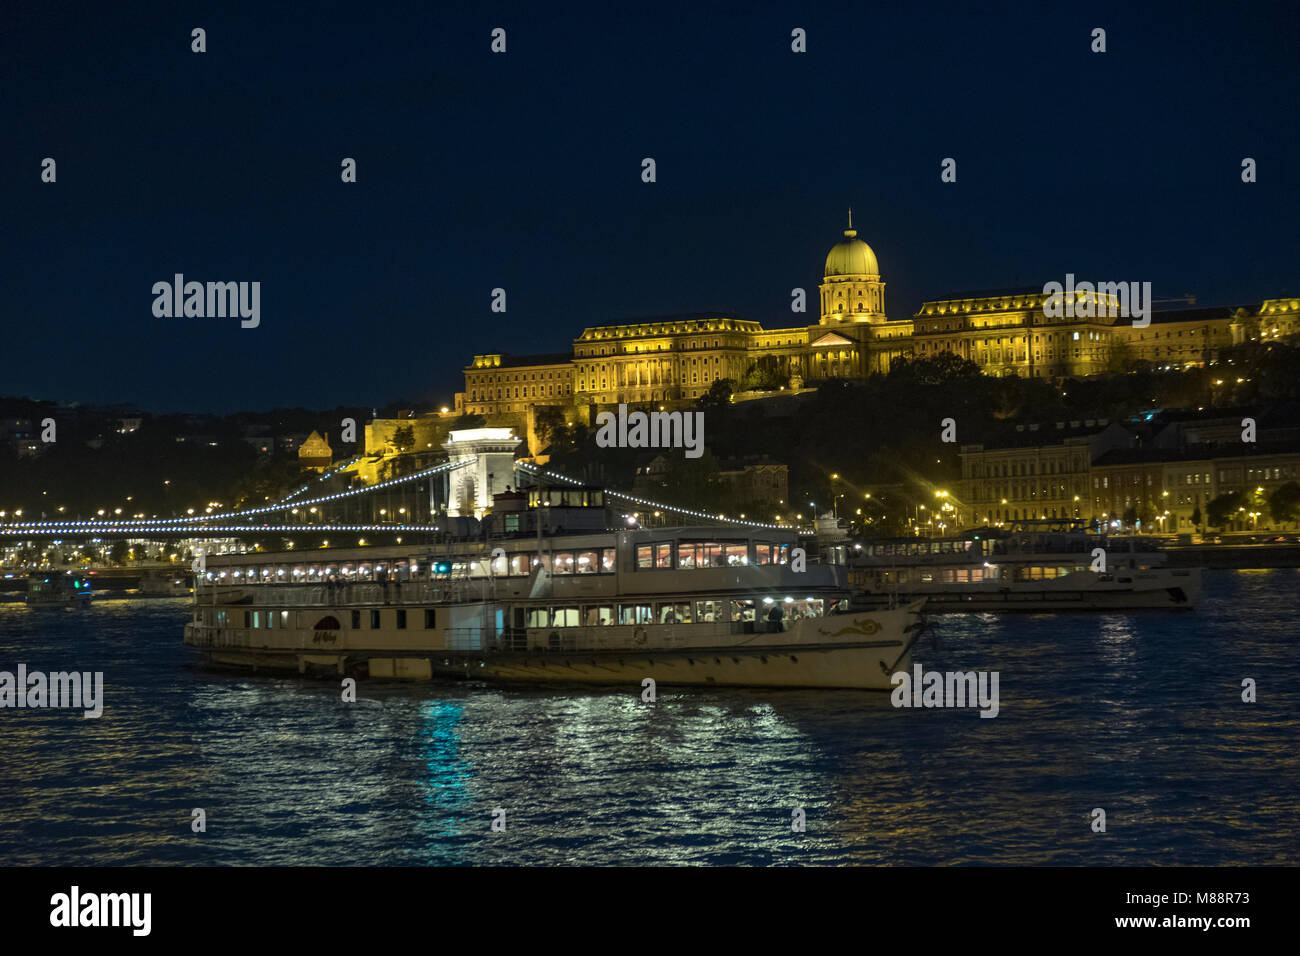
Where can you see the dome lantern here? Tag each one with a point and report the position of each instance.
(851, 257)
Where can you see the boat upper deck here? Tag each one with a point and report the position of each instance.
(626, 562)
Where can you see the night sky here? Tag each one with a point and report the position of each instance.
(523, 171)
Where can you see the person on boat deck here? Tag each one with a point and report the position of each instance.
(774, 619)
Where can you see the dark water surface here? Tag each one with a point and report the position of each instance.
(1138, 714)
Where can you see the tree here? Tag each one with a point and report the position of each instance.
(549, 424)
(718, 395)
(1006, 396)
(1222, 509)
(764, 375)
(1196, 517)
(117, 553)
(404, 438)
(694, 483)
(1284, 503)
(1120, 358)
(939, 369)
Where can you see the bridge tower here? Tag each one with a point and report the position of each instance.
(471, 488)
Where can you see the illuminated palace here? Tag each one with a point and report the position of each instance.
(1006, 333)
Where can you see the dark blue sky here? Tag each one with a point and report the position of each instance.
(523, 171)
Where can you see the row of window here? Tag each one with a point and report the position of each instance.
(1014, 514)
(528, 391)
(709, 554)
(279, 620)
(1020, 490)
(918, 547)
(659, 347)
(711, 611)
(1014, 469)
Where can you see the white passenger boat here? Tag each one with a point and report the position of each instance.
(993, 569)
(690, 605)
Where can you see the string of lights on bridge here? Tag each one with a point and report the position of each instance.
(286, 503)
(244, 529)
(651, 504)
(283, 505)
(319, 478)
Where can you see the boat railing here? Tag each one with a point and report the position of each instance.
(630, 637)
(343, 595)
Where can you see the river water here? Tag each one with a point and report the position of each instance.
(1140, 715)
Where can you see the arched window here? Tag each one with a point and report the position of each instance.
(330, 623)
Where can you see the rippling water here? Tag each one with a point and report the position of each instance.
(1138, 714)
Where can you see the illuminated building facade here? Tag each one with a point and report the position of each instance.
(315, 453)
(678, 358)
(1107, 470)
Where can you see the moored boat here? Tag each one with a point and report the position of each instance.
(689, 605)
(992, 569)
(58, 589)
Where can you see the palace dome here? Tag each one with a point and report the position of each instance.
(852, 257)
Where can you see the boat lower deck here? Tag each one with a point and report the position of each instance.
(852, 650)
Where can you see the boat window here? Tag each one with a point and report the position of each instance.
(709, 612)
(257, 619)
(742, 610)
(807, 608)
(707, 554)
(564, 562)
(538, 616)
(598, 616)
(635, 614)
(588, 562)
(564, 617)
(679, 613)
(520, 564)
(659, 555)
(736, 554)
(330, 623)
(374, 620)
(607, 560)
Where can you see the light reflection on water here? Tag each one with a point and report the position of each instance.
(1138, 714)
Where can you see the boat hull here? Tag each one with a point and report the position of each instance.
(858, 650)
(1178, 590)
